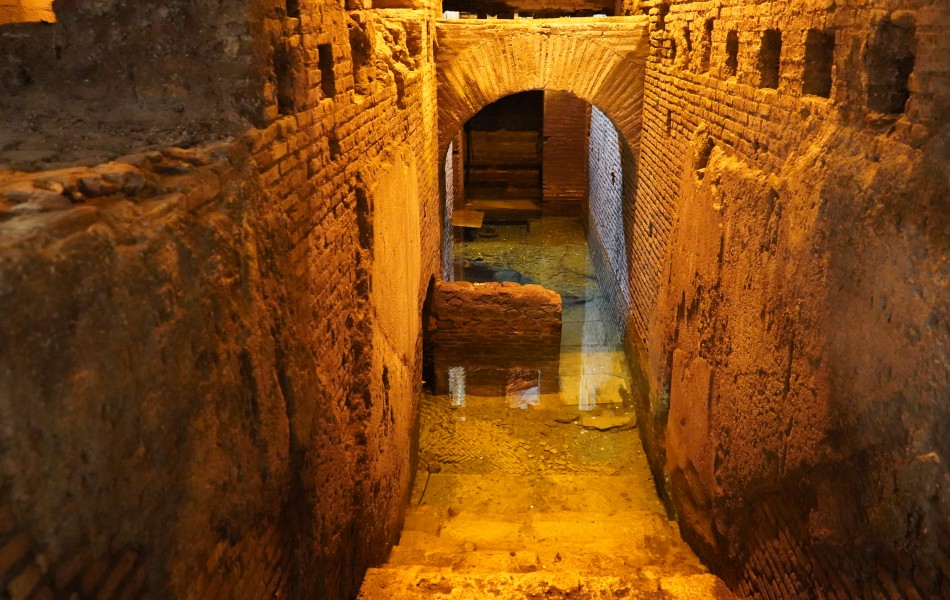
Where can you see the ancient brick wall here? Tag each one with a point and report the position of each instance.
(491, 329)
(210, 370)
(482, 61)
(564, 173)
(789, 284)
(605, 227)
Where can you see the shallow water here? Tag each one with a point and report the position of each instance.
(528, 495)
(589, 425)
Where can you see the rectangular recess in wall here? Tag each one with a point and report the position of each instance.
(732, 53)
(707, 46)
(890, 60)
(286, 83)
(327, 77)
(770, 54)
(819, 59)
(293, 9)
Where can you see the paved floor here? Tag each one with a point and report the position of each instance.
(548, 496)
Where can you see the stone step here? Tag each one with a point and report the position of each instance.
(414, 582)
(500, 493)
(544, 557)
(622, 528)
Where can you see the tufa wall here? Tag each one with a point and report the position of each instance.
(209, 369)
(790, 291)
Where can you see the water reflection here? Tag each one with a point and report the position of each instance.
(520, 387)
(457, 386)
(591, 369)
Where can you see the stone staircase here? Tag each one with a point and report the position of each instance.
(552, 536)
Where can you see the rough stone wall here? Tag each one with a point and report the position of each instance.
(491, 329)
(114, 75)
(605, 224)
(564, 172)
(790, 264)
(209, 373)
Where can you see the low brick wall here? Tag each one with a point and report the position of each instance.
(494, 330)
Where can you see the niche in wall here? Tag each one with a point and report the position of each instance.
(770, 54)
(732, 53)
(819, 58)
(707, 46)
(293, 8)
(327, 77)
(288, 83)
(662, 11)
(890, 60)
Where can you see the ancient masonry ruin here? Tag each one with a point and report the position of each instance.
(219, 222)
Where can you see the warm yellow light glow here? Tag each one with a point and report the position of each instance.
(26, 11)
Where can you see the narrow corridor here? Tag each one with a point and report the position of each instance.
(526, 494)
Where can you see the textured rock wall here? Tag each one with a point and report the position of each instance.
(790, 251)
(209, 373)
(495, 328)
(115, 74)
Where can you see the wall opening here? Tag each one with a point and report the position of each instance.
(732, 53)
(707, 46)
(293, 9)
(662, 11)
(286, 83)
(360, 52)
(327, 77)
(890, 61)
(503, 149)
(702, 159)
(687, 40)
(819, 59)
(333, 145)
(770, 54)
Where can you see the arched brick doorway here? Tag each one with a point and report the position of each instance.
(600, 61)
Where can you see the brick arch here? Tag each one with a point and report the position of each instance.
(601, 61)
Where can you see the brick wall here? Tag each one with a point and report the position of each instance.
(211, 366)
(783, 244)
(606, 236)
(481, 61)
(492, 329)
(564, 171)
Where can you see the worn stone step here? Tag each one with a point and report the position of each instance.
(414, 582)
(497, 493)
(619, 529)
(545, 557)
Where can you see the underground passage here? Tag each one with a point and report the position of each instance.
(510, 299)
